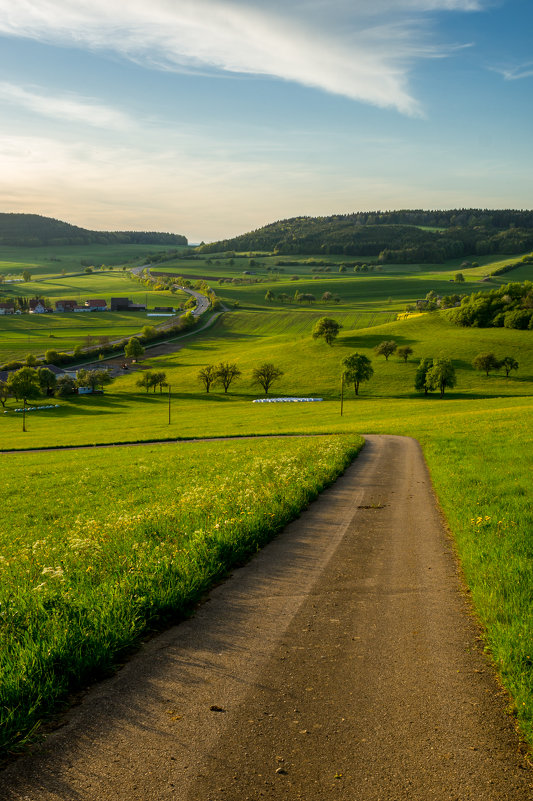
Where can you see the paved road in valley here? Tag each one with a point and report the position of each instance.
(341, 663)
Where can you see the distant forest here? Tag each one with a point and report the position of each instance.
(407, 236)
(32, 230)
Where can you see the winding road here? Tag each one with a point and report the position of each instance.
(342, 662)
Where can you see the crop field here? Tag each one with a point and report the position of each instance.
(80, 583)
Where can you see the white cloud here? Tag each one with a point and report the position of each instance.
(515, 73)
(67, 107)
(362, 50)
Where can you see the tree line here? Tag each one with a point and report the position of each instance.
(406, 236)
(33, 230)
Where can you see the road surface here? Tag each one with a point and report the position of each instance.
(341, 663)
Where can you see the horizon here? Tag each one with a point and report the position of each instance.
(214, 119)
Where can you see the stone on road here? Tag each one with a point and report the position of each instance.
(342, 662)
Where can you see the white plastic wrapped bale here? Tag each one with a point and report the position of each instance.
(287, 400)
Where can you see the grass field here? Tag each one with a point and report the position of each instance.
(49, 261)
(476, 439)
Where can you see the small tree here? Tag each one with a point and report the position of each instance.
(160, 380)
(146, 381)
(208, 376)
(133, 349)
(26, 275)
(404, 352)
(31, 360)
(486, 362)
(226, 373)
(270, 297)
(509, 363)
(386, 348)
(326, 297)
(47, 380)
(265, 375)
(24, 384)
(421, 375)
(4, 393)
(65, 386)
(148, 332)
(441, 376)
(459, 278)
(327, 328)
(357, 368)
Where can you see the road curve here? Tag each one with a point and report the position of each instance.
(342, 663)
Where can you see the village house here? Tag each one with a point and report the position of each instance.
(37, 307)
(98, 304)
(7, 308)
(66, 305)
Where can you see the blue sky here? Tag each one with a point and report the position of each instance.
(214, 117)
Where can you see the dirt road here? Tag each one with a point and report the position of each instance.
(341, 663)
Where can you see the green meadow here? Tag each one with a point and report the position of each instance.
(85, 573)
(476, 440)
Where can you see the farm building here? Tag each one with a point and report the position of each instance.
(125, 304)
(66, 305)
(7, 308)
(37, 307)
(98, 304)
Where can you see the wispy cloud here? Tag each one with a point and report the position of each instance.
(362, 50)
(67, 107)
(515, 73)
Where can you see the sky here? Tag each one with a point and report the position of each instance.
(210, 118)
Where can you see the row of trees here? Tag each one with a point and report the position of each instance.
(225, 373)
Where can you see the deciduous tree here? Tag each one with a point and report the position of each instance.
(357, 368)
(133, 349)
(226, 373)
(385, 348)
(208, 376)
(486, 362)
(441, 376)
(509, 363)
(421, 375)
(265, 375)
(404, 352)
(327, 328)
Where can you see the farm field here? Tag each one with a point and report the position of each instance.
(476, 439)
(34, 334)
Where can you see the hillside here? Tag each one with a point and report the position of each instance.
(34, 230)
(393, 237)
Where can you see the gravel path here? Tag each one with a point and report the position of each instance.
(341, 663)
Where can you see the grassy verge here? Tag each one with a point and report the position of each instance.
(79, 584)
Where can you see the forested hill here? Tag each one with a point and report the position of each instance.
(393, 236)
(33, 230)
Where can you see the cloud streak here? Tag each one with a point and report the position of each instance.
(66, 108)
(516, 73)
(361, 50)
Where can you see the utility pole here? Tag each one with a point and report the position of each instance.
(169, 404)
